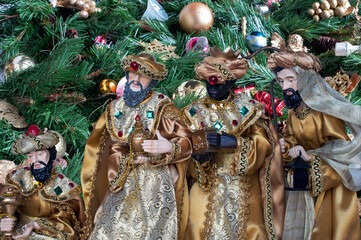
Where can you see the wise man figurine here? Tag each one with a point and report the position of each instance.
(316, 131)
(51, 206)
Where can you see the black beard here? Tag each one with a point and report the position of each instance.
(294, 100)
(42, 174)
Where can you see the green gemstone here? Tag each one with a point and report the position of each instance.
(118, 115)
(244, 111)
(58, 190)
(131, 130)
(192, 111)
(150, 114)
(21, 183)
(218, 126)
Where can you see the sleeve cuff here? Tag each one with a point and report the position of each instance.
(316, 175)
(47, 228)
(204, 174)
(241, 164)
(158, 160)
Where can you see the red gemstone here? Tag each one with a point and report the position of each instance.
(71, 184)
(213, 80)
(134, 66)
(13, 172)
(202, 124)
(61, 176)
(120, 134)
(15, 199)
(161, 96)
(117, 97)
(33, 130)
(137, 117)
(26, 168)
(252, 101)
(235, 122)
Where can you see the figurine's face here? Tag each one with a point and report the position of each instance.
(219, 91)
(135, 80)
(287, 78)
(39, 158)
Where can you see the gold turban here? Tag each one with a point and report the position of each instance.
(225, 66)
(29, 143)
(145, 65)
(289, 59)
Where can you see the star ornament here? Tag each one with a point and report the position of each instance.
(156, 47)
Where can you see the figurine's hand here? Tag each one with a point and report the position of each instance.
(140, 159)
(203, 157)
(28, 229)
(295, 152)
(7, 224)
(161, 145)
(282, 143)
(225, 140)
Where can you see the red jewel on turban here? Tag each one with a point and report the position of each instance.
(213, 80)
(134, 66)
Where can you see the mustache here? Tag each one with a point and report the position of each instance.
(41, 162)
(137, 83)
(289, 90)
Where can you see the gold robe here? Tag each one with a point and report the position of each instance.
(143, 202)
(226, 200)
(336, 209)
(56, 207)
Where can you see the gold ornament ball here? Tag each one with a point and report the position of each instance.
(325, 14)
(18, 63)
(316, 18)
(332, 13)
(196, 17)
(340, 11)
(92, 3)
(84, 14)
(107, 86)
(80, 3)
(86, 7)
(325, 5)
(315, 5)
(311, 12)
(333, 3)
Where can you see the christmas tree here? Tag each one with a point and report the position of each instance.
(60, 90)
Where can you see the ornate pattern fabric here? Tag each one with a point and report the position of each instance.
(145, 209)
(231, 209)
(240, 108)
